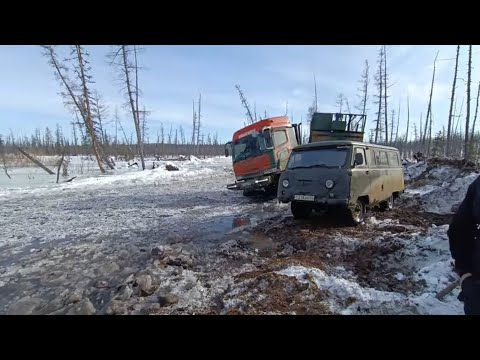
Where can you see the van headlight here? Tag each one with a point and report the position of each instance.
(285, 183)
(329, 184)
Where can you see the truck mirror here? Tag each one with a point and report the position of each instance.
(228, 149)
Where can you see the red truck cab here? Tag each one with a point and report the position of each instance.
(260, 152)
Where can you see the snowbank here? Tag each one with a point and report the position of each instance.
(414, 171)
(430, 259)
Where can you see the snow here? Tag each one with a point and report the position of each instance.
(430, 258)
(442, 199)
(415, 170)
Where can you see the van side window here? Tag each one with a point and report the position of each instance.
(381, 158)
(279, 137)
(361, 151)
(371, 157)
(393, 158)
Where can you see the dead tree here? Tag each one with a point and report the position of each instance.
(467, 121)
(428, 119)
(392, 124)
(421, 133)
(364, 81)
(398, 122)
(449, 127)
(194, 127)
(385, 91)
(198, 122)
(36, 162)
(379, 84)
(408, 123)
(476, 113)
(128, 71)
(339, 102)
(316, 98)
(100, 113)
(245, 104)
(182, 135)
(77, 93)
(4, 159)
(60, 165)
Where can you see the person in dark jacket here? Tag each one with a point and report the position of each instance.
(464, 240)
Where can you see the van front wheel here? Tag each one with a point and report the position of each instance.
(357, 212)
(300, 211)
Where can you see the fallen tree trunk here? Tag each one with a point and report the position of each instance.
(6, 171)
(36, 162)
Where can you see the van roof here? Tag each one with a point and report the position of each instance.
(341, 142)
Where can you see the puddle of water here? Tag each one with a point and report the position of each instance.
(260, 242)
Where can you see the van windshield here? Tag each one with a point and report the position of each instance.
(322, 157)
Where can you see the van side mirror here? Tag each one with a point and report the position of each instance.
(358, 159)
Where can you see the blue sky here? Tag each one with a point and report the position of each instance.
(268, 75)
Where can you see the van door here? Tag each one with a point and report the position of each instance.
(360, 185)
(374, 175)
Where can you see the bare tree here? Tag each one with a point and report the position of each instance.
(429, 110)
(467, 122)
(392, 124)
(194, 127)
(100, 113)
(408, 122)
(245, 104)
(77, 93)
(74, 133)
(339, 102)
(128, 70)
(169, 136)
(398, 121)
(199, 122)
(182, 135)
(449, 127)
(379, 96)
(476, 113)
(4, 159)
(364, 81)
(316, 97)
(385, 91)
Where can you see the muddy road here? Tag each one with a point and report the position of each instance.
(189, 246)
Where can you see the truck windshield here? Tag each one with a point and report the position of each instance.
(248, 146)
(323, 157)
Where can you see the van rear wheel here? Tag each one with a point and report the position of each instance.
(387, 204)
(300, 211)
(357, 212)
